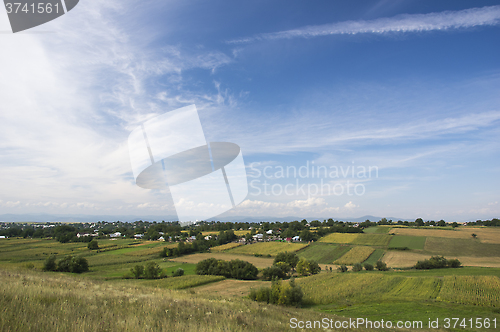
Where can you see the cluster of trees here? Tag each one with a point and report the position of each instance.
(235, 269)
(381, 266)
(289, 293)
(151, 271)
(66, 264)
(437, 262)
(285, 263)
(199, 245)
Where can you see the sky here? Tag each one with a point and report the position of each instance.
(341, 109)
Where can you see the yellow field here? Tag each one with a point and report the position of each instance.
(267, 248)
(224, 247)
(478, 290)
(237, 233)
(260, 262)
(339, 238)
(355, 255)
(485, 235)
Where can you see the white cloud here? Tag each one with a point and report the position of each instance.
(350, 205)
(313, 206)
(447, 20)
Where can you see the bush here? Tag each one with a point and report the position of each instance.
(93, 245)
(381, 266)
(306, 267)
(288, 257)
(73, 264)
(152, 270)
(236, 269)
(437, 262)
(177, 273)
(342, 268)
(137, 271)
(50, 263)
(368, 267)
(273, 272)
(279, 293)
(357, 267)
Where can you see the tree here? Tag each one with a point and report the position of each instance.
(419, 222)
(93, 245)
(368, 267)
(306, 235)
(306, 267)
(342, 268)
(357, 267)
(381, 266)
(441, 223)
(177, 273)
(474, 235)
(50, 263)
(137, 271)
(73, 264)
(152, 270)
(288, 257)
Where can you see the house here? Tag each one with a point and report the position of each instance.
(208, 237)
(258, 237)
(138, 236)
(161, 238)
(296, 238)
(115, 235)
(3, 237)
(269, 232)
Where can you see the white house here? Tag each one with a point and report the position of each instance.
(114, 235)
(296, 238)
(269, 231)
(3, 237)
(138, 236)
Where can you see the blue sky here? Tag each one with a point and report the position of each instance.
(409, 88)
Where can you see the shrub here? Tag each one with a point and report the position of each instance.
(236, 269)
(357, 267)
(152, 270)
(279, 293)
(368, 267)
(73, 264)
(288, 257)
(381, 266)
(177, 273)
(137, 271)
(342, 268)
(50, 263)
(437, 262)
(93, 245)
(306, 267)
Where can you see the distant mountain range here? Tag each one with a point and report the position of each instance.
(129, 218)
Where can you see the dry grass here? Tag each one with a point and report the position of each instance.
(225, 247)
(237, 233)
(260, 262)
(355, 255)
(485, 235)
(230, 287)
(38, 302)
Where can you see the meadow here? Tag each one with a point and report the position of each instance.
(356, 255)
(323, 253)
(410, 242)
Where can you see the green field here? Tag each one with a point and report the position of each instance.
(374, 257)
(358, 239)
(410, 242)
(323, 253)
(267, 248)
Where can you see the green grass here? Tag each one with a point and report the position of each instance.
(410, 242)
(375, 257)
(267, 248)
(478, 290)
(323, 253)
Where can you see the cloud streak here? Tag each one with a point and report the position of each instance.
(447, 20)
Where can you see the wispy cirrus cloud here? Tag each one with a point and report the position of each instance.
(447, 20)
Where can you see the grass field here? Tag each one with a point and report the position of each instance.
(478, 290)
(178, 282)
(375, 256)
(484, 234)
(323, 253)
(372, 240)
(461, 247)
(355, 255)
(260, 262)
(225, 247)
(230, 287)
(401, 259)
(410, 242)
(267, 248)
(377, 230)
